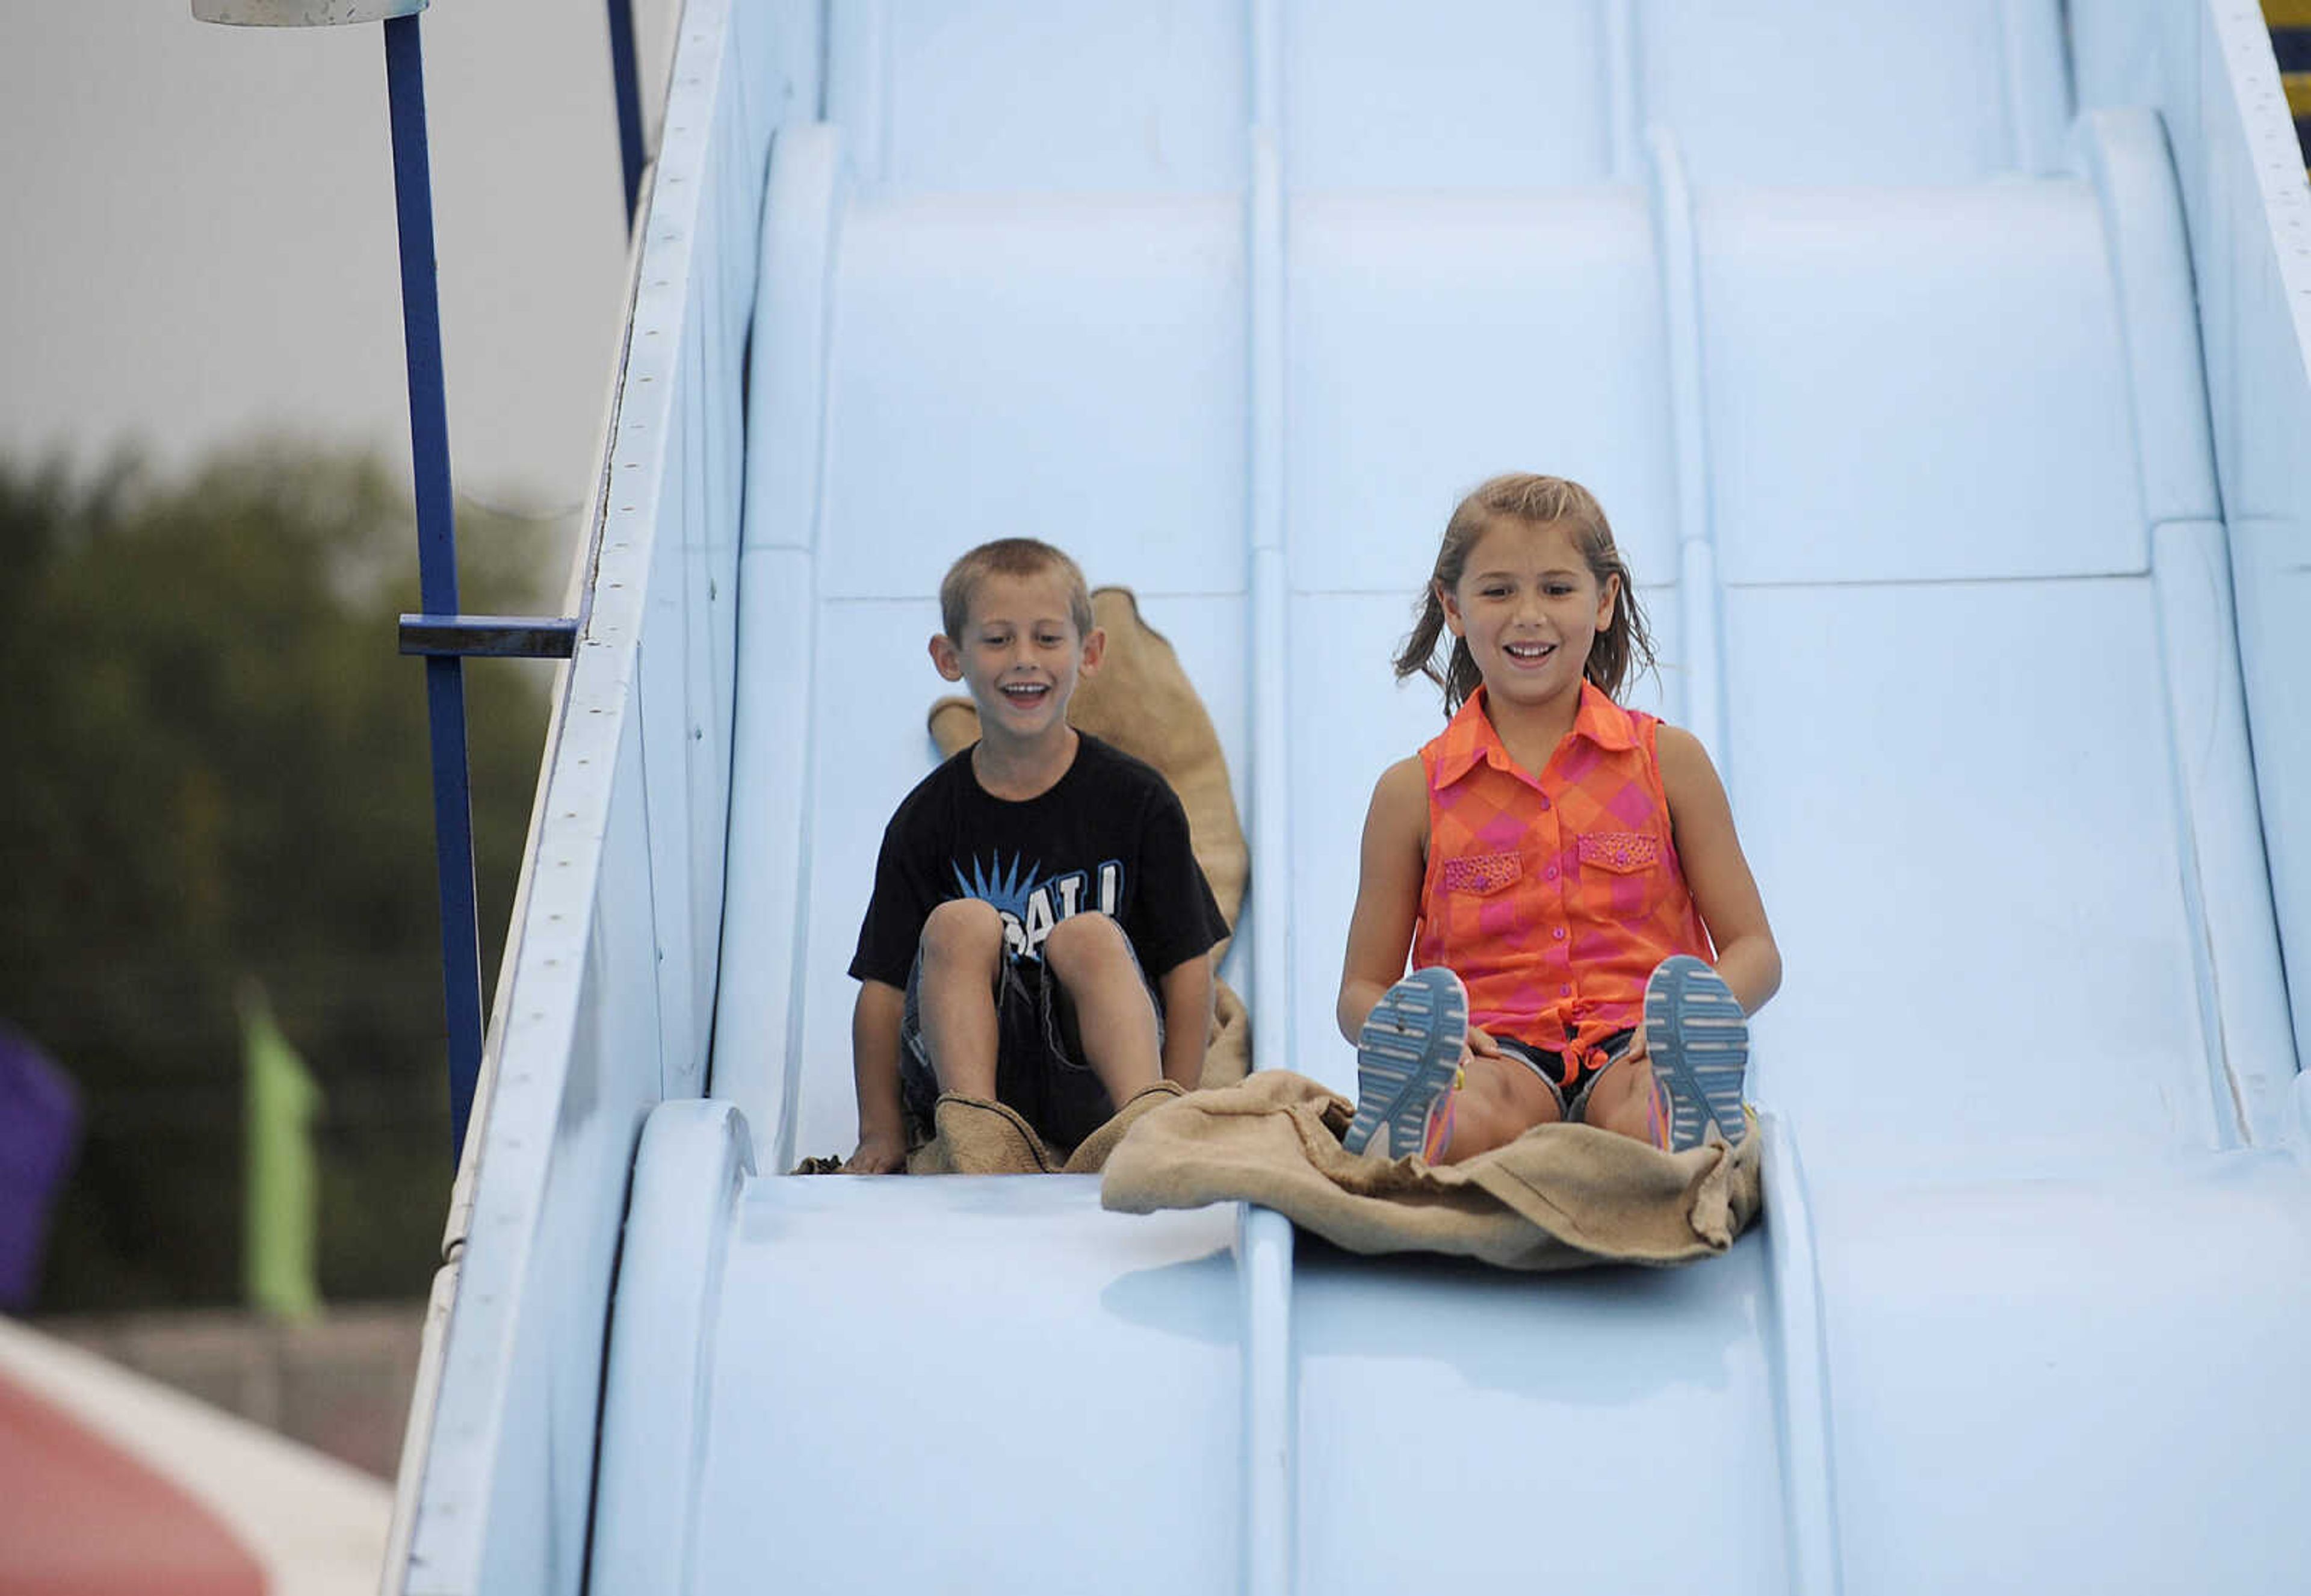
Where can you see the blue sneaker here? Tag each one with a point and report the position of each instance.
(1407, 1060)
(1699, 1040)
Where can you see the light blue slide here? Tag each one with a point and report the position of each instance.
(1945, 370)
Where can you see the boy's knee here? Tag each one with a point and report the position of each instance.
(965, 930)
(1082, 943)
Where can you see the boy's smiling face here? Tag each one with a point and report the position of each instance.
(1019, 656)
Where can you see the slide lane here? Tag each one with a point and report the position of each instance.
(1899, 464)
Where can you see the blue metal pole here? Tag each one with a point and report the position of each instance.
(627, 82)
(437, 567)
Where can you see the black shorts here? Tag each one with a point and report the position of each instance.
(1039, 1059)
(1569, 1086)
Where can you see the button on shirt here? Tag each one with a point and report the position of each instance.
(1553, 896)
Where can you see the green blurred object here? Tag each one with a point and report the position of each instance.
(283, 1186)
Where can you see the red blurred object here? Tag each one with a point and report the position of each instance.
(80, 1517)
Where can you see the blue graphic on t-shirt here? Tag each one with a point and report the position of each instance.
(993, 884)
(1030, 908)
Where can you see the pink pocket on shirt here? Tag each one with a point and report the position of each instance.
(1482, 874)
(1622, 852)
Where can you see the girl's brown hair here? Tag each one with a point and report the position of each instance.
(1624, 646)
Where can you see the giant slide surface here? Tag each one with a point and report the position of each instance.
(1881, 330)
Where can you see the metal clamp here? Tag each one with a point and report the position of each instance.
(491, 637)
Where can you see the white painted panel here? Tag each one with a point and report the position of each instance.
(1829, 91)
(2208, 70)
(2012, 1385)
(668, 819)
(523, 1370)
(625, 845)
(1479, 96)
(693, 1162)
(2252, 247)
(769, 859)
(1958, 804)
(1916, 386)
(2272, 560)
(1069, 371)
(874, 684)
(971, 1384)
(1550, 1406)
(1058, 95)
(2227, 872)
(1435, 341)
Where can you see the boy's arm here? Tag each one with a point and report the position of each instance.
(874, 1069)
(1187, 993)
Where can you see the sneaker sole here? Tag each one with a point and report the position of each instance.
(1408, 1051)
(1699, 1040)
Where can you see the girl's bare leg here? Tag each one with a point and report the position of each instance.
(1499, 1100)
(1622, 1100)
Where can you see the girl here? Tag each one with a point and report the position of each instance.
(1564, 871)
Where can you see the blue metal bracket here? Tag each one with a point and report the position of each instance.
(437, 567)
(626, 80)
(496, 637)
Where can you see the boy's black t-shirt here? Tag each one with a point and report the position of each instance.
(1108, 836)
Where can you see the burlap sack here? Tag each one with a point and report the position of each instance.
(973, 1136)
(1140, 699)
(976, 1136)
(1559, 1197)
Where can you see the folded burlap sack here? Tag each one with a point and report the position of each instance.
(1559, 1197)
(1140, 699)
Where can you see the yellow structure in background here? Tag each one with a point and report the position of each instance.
(2291, 15)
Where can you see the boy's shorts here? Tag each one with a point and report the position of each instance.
(1039, 1067)
(1572, 1096)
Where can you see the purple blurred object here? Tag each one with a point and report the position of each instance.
(40, 1127)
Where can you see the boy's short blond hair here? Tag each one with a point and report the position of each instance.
(1015, 557)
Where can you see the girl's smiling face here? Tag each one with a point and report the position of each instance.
(1528, 606)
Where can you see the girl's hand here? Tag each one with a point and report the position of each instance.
(1480, 1045)
(1638, 1051)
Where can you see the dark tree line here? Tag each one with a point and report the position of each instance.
(214, 767)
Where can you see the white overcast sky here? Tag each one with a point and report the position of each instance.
(201, 249)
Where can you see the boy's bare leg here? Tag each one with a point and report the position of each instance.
(1091, 957)
(1499, 1100)
(963, 950)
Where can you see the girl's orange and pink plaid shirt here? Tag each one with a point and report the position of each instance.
(1554, 896)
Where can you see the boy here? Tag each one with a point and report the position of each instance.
(1036, 903)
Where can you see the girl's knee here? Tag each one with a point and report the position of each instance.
(1499, 1101)
(1509, 1090)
